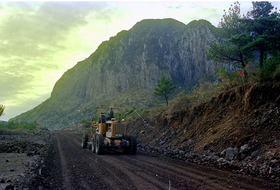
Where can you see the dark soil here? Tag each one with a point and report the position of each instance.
(68, 166)
(244, 116)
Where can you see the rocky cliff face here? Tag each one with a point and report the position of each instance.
(124, 70)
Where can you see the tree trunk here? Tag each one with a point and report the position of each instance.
(166, 99)
(261, 57)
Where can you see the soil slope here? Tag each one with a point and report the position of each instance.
(245, 119)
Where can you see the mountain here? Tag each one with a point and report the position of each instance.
(124, 70)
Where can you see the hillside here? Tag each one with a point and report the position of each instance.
(124, 70)
(239, 129)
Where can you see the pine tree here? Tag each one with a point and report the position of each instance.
(264, 26)
(232, 40)
(244, 37)
(164, 87)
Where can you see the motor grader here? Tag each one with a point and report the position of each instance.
(109, 132)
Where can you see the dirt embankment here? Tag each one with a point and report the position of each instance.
(238, 130)
(21, 157)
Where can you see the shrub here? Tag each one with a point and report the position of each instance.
(87, 122)
(21, 126)
(270, 71)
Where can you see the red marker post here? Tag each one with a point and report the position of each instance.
(240, 72)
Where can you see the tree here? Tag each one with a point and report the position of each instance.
(164, 87)
(264, 25)
(241, 38)
(232, 40)
(2, 108)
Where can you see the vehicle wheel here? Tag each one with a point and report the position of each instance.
(99, 144)
(132, 145)
(93, 147)
(84, 140)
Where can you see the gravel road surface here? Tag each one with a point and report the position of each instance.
(70, 167)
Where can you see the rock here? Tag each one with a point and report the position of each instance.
(223, 153)
(244, 149)
(270, 170)
(206, 147)
(37, 158)
(254, 154)
(185, 147)
(220, 160)
(210, 151)
(10, 187)
(231, 153)
(259, 158)
(30, 153)
(181, 152)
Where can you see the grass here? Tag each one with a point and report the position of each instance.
(21, 126)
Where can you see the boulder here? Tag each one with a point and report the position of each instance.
(231, 153)
(244, 149)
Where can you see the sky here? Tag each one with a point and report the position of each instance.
(39, 41)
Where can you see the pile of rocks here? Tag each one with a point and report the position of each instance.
(239, 160)
(21, 157)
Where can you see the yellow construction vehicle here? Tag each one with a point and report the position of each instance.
(109, 132)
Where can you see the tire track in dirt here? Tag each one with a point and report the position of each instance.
(124, 175)
(167, 174)
(76, 171)
(183, 173)
(82, 169)
(65, 177)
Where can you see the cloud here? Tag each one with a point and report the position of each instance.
(33, 39)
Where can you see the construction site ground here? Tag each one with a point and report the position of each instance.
(68, 166)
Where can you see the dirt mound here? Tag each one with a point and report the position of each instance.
(21, 157)
(243, 116)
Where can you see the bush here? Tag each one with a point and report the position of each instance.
(182, 101)
(21, 126)
(132, 114)
(227, 79)
(87, 122)
(270, 71)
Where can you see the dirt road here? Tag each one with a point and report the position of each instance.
(68, 166)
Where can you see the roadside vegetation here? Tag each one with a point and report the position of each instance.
(21, 126)
(86, 122)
